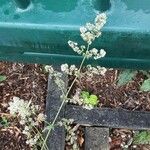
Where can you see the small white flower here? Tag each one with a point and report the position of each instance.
(75, 47)
(20, 107)
(41, 117)
(88, 37)
(98, 70)
(102, 70)
(27, 133)
(64, 68)
(94, 51)
(102, 52)
(71, 136)
(49, 69)
(26, 128)
(90, 26)
(22, 122)
(83, 29)
(101, 19)
(72, 67)
(82, 47)
(72, 44)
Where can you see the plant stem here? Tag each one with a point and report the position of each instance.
(46, 148)
(44, 143)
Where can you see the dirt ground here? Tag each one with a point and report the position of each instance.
(28, 82)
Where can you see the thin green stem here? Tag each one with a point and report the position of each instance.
(41, 136)
(58, 112)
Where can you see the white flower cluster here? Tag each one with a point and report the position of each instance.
(72, 70)
(57, 76)
(52, 72)
(91, 31)
(98, 70)
(95, 53)
(49, 69)
(71, 136)
(28, 117)
(20, 107)
(32, 141)
(76, 48)
(77, 100)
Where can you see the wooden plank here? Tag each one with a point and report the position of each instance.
(114, 118)
(96, 138)
(56, 140)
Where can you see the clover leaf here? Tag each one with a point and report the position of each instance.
(89, 99)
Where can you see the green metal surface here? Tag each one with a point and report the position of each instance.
(23, 4)
(39, 33)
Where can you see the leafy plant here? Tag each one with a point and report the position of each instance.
(145, 86)
(4, 122)
(89, 99)
(126, 76)
(142, 137)
(2, 78)
(88, 33)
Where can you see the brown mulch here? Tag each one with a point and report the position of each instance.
(29, 82)
(25, 81)
(12, 139)
(110, 95)
(123, 139)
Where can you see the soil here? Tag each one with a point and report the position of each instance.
(111, 95)
(122, 139)
(29, 82)
(25, 81)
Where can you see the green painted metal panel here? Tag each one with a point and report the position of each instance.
(23, 4)
(39, 33)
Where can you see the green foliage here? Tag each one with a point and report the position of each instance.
(93, 100)
(85, 94)
(4, 122)
(125, 77)
(145, 86)
(2, 78)
(142, 137)
(89, 99)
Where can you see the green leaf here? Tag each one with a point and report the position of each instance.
(145, 86)
(86, 100)
(4, 122)
(93, 100)
(89, 99)
(125, 77)
(142, 137)
(2, 78)
(85, 94)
